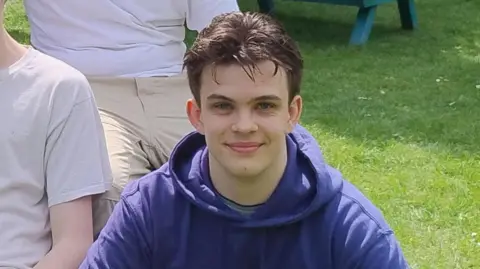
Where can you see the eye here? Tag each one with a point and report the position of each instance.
(265, 106)
(222, 106)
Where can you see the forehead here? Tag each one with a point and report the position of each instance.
(233, 81)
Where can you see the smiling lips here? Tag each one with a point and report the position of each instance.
(244, 147)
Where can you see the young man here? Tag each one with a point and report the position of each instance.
(53, 158)
(249, 189)
(131, 52)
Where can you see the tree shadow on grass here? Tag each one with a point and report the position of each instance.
(325, 31)
(437, 106)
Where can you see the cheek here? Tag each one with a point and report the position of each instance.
(278, 124)
(215, 125)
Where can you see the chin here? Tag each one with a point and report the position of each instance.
(244, 170)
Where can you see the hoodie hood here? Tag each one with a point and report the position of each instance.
(307, 184)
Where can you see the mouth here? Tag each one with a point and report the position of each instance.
(244, 147)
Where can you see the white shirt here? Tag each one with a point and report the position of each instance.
(52, 151)
(120, 37)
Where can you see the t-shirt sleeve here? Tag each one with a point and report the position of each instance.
(76, 160)
(201, 12)
(123, 243)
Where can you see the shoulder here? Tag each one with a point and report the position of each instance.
(52, 69)
(362, 234)
(57, 78)
(156, 188)
(353, 200)
(155, 203)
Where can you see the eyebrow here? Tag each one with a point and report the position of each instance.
(256, 99)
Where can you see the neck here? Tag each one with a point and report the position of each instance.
(10, 50)
(248, 191)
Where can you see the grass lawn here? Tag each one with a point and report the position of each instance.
(400, 117)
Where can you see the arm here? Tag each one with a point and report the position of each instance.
(384, 253)
(362, 242)
(363, 239)
(122, 244)
(201, 12)
(72, 231)
(76, 167)
(361, 248)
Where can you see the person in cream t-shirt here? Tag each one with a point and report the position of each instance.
(53, 159)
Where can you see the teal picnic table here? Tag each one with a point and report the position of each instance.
(365, 16)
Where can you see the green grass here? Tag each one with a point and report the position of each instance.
(400, 117)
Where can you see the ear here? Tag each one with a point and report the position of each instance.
(194, 115)
(295, 112)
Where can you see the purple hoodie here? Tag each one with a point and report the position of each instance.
(174, 219)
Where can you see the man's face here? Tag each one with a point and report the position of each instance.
(245, 121)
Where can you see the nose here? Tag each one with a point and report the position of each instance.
(245, 123)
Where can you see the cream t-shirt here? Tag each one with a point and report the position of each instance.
(52, 150)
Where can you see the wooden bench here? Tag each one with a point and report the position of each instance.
(365, 16)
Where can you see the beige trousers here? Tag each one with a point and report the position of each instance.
(143, 119)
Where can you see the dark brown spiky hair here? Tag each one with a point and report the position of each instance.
(246, 39)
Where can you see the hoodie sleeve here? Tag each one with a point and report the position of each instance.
(385, 252)
(122, 244)
(362, 237)
(363, 248)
